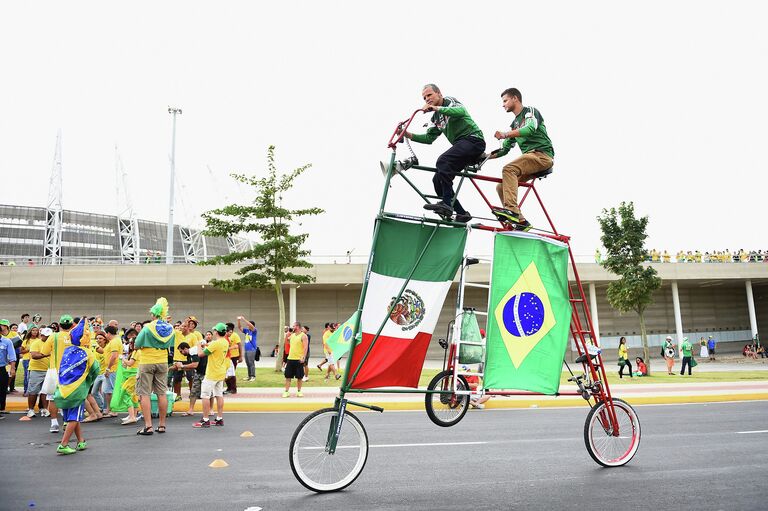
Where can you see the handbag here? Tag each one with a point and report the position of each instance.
(693, 362)
(622, 362)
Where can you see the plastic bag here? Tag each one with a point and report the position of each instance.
(470, 332)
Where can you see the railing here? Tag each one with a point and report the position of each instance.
(22, 261)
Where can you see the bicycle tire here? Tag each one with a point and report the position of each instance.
(605, 448)
(456, 406)
(311, 435)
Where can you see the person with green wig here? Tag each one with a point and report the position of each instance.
(153, 341)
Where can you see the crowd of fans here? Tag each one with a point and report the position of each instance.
(40, 350)
(716, 256)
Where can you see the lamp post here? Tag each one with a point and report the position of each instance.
(169, 242)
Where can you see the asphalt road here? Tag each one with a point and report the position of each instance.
(690, 457)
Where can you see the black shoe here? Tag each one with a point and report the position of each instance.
(441, 208)
(524, 226)
(463, 219)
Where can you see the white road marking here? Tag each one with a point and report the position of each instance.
(750, 432)
(435, 444)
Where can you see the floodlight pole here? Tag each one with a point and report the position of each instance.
(169, 238)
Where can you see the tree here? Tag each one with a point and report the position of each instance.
(272, 261)
(623, 238)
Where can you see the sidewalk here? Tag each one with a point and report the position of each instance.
(270, 400)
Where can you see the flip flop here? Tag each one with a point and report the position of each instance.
(91, 419)
(187, 414)
(145, 431)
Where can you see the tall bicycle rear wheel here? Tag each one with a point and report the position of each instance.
(607, 449)
(446, 409)
(311, 462)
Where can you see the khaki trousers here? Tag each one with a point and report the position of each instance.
(518, 170)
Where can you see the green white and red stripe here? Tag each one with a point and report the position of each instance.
(398, 354)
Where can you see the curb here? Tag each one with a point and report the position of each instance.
(296, 405)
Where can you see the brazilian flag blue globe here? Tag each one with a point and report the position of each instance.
(529, 313)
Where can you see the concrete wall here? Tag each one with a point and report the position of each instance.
(713, 298)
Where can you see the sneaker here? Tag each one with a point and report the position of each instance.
(305, 379)
(202, 424)
(81, 446)
(54, 429)
(463, 219)
(480, 406)
(299, 394)
(523, 225)
(252, 378)
(218, 422)
(506, 215)
(245, 379)
(338, 376)
(441, 208)
(30, 413)
(65, 449)
(45, 413)
(286, 394)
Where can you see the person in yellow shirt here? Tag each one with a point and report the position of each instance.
(112, 352)
(154, 340)
(215, 372)
(97, 391)
(297, 354)
(175, 376)
(624, 356)
(24, 352)
(235, 354)
(38, 365)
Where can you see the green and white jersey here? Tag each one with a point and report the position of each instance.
(452, 120)
(533, 134)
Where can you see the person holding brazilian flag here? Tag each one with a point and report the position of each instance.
(153, 341)
(77, 371)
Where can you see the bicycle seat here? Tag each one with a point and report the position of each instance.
(544, 173)
(477, 165)
(583, 358)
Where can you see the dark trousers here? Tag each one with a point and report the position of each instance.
(686, 362)
(3, 386)
(628, 365)
(465, 151)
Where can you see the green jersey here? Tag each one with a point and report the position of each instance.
(533, 134)
(453, 121)
(686, 348)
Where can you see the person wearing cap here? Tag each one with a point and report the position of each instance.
(54, 348)
(215, 371)
(687, 350)
(7, 362)
(297, 354)
(711, 343)
(153, 341)
(668, 352)
(192, 338)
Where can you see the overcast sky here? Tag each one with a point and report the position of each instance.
(660, 103)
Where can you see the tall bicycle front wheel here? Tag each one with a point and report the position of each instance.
(446, 409)
(318, 469)
(605, 447)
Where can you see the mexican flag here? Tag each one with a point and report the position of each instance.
(529, 313)
(398, 353)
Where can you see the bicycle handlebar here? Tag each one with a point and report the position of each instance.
(399, 133)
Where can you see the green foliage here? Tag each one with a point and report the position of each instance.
(623, 238)
(271, 260)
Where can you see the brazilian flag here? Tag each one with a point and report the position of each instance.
(529, 313)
